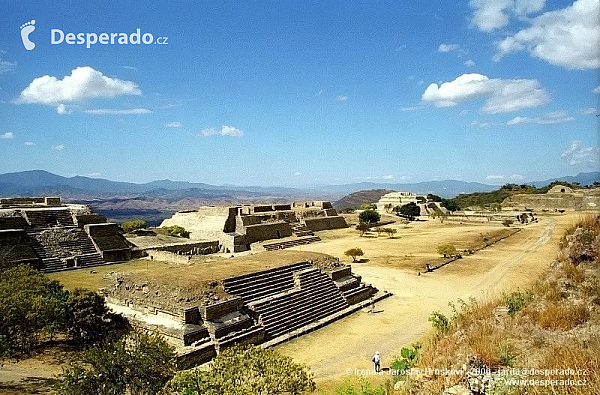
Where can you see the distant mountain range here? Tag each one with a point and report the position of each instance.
(174, 195)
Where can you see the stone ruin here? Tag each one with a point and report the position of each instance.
(52, 236)
(559, 198)
(266, 307)
(237, 227)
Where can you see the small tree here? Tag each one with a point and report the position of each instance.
(388, 207)
(134, 224)
(446, 250)
(390, 232)
(362, 227)
(411, 210)
(368, 206)
(369, 216)
(507, 222)
(354, 253)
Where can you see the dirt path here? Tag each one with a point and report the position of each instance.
(340, 349)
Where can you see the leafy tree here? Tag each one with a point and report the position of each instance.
(30, 305)
(410, 210)
(446, 250)
(134, 224)
(245, 370)
(390, 231)
(388, 207)
(139, 364)
(89, 321)
(362, 227)
(369, 216)
(434, 198)
(177, 231)
(368, 206)
(354, 253)
(450, 205)
(397, 209)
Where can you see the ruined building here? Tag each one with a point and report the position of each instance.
(239, 226)
(52, 236)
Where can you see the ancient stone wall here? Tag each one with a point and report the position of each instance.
(214, 311)
(323, 223)
(266, 231)
(577, 200)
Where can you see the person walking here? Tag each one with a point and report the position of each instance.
(377, 362)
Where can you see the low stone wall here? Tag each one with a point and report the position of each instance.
(196, 356)
(325, 223)
(116, 255)
(194, 248)
(214, 311)
(107, 229)
(192, 316)
(275, 230)
(13, 223)
(339, 273)
(89, 219)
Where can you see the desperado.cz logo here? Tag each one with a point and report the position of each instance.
(57, 36)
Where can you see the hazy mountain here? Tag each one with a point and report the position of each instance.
(356, 199)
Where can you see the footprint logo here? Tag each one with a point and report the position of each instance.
(26, 29)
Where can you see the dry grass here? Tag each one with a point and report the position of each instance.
(561, 316)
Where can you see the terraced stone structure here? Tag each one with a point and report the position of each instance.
(560, 197)
(236, 228)
(265, 307)
(52, 236)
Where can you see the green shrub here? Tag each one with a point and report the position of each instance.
(134, 224)
(177, 231)
(516, 301)
(439, 321)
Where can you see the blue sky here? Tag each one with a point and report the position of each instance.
(302, 93)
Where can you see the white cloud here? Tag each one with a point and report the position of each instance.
(597, 90)
(224, 131)
(113, 111)
(7, 136)
(552, 118)
(516, 177)
(502, 95)
(62, 109)
(481, 124)
(589, 111)
(448, 47)
(82, 83)
(6, 66)
(58, 147)
(577, 154)
(469, 63)
(388, 177)
(495, 177)
(130, 68)
(319, 93)
(173, 124)
(297, 173)
(29, 143)
(93, 175)
(489, 15)
(342, 98)
(568, 37)
(411, 108)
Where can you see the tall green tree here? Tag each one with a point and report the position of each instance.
(245, 370)
(140, 364)
(369, 216)
(411, 210)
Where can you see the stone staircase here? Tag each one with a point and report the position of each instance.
(291, 243)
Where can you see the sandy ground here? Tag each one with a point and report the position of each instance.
(345, 348)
